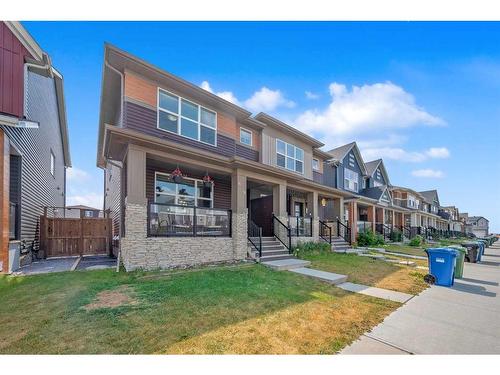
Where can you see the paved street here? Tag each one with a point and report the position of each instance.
(464, 319)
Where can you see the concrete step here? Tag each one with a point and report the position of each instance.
(267, 258)
(329, 277)
(274, 252)
(286, 264)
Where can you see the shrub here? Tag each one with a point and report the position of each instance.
(396, 236)
(369, 238)
(311, 248)
(416, 241)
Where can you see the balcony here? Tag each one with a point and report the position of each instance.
(169, 220)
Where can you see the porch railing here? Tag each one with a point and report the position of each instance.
(170, 220)
(344, 231)
(282, 232)
(300, 226)
(255, 236)
(325, 231)
(364, 226)
(384, 229)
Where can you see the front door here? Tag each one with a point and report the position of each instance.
(298, 209)
(261, 212)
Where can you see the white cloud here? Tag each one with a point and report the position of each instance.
(267, 100)
(427, 173)
(367, 108)
(226, 95)
(398, 153)
(310, 95)
(438, 153)
(76, 175)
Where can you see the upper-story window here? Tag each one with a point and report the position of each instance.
(377, 183)
(411, 201)
(315, 164)
(188, 119)
(289, 156)
(351, 179)
(245, 137)
(351, 160)
(52, 163)
(379, 175)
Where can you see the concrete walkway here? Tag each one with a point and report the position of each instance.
(390, 295)
(464, 319)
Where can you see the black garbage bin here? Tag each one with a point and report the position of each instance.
(472, 250)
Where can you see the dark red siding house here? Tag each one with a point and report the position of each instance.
(34, 148)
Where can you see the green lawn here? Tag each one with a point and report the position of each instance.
(241, 309)
(364, 270)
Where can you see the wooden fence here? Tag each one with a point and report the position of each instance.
(74, 236)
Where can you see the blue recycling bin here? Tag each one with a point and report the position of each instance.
(481, 249)
(441, 266)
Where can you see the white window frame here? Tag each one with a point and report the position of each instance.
(52, 163)
(287, 156)
(352, 160)
(179, 117)
(245, 130)
(355, 182)
(377, 183)
(317, 167)
(176, 195)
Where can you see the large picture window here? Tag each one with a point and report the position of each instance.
(351, 179)
(188, 119)
(289, 156)
(191, 192)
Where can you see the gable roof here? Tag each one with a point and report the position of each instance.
(372, 166)
(430, 195)
(474, 219)
(339, 153)
(375, 192)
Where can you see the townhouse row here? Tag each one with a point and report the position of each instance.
(191, 178)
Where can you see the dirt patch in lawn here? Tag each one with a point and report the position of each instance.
(8, 340)
(121, 296)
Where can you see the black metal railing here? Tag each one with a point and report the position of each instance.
(255, 236)
(282, 233)
(170, 220)
(344, 231)
(325, 231)
(300, 226)
(387, 231)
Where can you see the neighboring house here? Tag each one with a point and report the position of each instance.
(81, 211)
(238, 172)
(452, 214)
(34, 149)
(477, 225)
(429, 217)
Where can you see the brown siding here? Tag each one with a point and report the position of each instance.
(227, 125)
(247, 152)
(222, 187)
(140, 89)
(143, 119)
(12, 54)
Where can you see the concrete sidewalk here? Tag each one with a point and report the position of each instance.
(464, 319)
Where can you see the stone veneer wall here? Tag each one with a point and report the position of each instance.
(141, 252)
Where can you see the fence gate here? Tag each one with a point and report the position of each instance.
(74, 236)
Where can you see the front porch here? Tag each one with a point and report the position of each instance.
(180, 212)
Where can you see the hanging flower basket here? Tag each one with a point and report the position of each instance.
(207, 181)
(177, 176)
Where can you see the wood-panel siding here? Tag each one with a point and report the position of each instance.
(38, 187)
(140, 89)
(144, 119)
(12, 54)
(222, 186)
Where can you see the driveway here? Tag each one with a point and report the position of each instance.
(463, 319)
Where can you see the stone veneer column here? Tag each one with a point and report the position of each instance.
(239, 214)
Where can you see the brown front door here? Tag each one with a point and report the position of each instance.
(261, 212)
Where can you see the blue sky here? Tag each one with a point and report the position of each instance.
(423, 96)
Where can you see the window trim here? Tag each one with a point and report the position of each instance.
(196, 181)
(180, 117)
(286, 156)
(251, 136)
(52, 167)
(315, 169)
(354, 181)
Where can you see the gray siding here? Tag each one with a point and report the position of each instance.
(318, 177)
(329, 175)
(38, 187)
(375, 178)
(144, 119)
(355, 168)
(112, 196)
